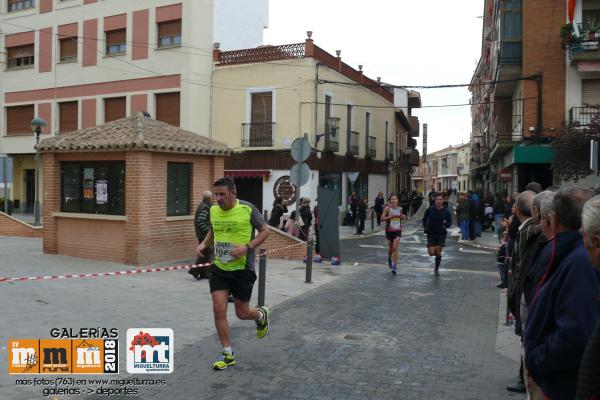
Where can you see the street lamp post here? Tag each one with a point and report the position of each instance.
(36, 126)
(334, 124)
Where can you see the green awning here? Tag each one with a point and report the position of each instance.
(533, 154)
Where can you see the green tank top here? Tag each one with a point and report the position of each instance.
(231, 228)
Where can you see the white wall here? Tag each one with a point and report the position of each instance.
(377, 183)
(308, 190)
(239, 24)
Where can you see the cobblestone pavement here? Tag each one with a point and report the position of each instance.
(367, 335)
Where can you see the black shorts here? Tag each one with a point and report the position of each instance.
(239, 283)
(392, 235)
(436, 240)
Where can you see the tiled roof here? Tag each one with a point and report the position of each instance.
(133, 133)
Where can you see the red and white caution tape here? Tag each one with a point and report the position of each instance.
(129, 272)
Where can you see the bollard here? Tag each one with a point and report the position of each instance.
(309, 261)
(262, 272)
(372, 220)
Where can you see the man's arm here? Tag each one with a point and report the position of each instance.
(206, 243)
(425, 219)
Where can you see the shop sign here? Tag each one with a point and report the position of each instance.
(285, 189)
(506, 175)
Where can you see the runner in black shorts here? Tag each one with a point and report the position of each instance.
(393, 216)
(436, 220)
(231, 234)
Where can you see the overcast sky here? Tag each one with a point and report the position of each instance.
(406, 42)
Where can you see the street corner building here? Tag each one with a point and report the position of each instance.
(126, 191)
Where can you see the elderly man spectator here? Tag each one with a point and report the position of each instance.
(202, 225)
(588, 382)
(525, 233)
(565, 307)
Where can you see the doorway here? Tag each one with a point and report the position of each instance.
(250, 190)
(29, 190)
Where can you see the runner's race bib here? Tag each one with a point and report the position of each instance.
(396, 224)
(223, 251)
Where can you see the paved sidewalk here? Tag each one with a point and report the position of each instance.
(488, 241)
(172, 299)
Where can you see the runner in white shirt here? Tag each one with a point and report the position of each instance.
(393, 216)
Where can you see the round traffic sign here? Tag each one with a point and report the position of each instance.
(299, 174)
(300, 149)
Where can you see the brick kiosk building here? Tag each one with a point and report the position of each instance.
(126, 191)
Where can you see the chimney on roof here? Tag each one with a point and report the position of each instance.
(309, 50)
(216, 52)
(338, 53)
(360, 67)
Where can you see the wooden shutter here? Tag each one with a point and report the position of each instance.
(114, 108)
(167, 108)
(169, 28)
(262, 107)
(20, 51)
(68, 49)
(590, 91)
(116, 37)
(18, 120)
(68, 116)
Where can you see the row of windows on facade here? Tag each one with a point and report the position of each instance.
(169, 35)
(99, 188)
(18, 118)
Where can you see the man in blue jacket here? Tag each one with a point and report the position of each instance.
(565, 306)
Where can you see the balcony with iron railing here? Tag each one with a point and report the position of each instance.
(371, 147)
(511, 52)
(258, 134)
(583, 116)
(506, 131)
(352, 141)
(332, 138)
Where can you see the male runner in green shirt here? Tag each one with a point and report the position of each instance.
(231, 234)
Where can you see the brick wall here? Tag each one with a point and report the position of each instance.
(95, 239)
(10, 226)
(542, 52)
(277, 240)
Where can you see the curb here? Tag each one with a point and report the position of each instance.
(477, 245)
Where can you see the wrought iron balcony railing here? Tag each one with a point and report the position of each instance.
(372, 147)
(582, 116)
(511, 52)
(507, 129)
(353, 148)
(258, 134)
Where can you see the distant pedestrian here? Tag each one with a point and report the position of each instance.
(436, 221)
(317, 225)
(291, 226)
(498, 206)
(378, 206)
(362, 216)
(353, 203)
(462, 215)
(306, 217)
(393, 215)
(276, 213)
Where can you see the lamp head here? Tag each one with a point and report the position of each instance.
(37, 124)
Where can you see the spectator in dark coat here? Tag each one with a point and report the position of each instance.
(362, 215)
(588, 381)
(278, 210)
(353, 202)
(306, 216)
(378, 206)
(565, 308)
(498, 206)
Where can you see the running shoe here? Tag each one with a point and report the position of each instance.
(436, 272)
(262, 327)
(224, 360)
(393, 269)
